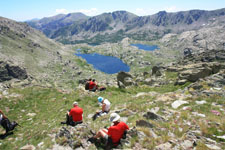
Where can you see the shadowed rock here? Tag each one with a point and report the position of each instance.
(144, 123)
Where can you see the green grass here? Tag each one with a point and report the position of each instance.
(50, 106)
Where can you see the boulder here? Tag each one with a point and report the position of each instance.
(144, 123)
(165, 146)
(193, 75)
(10, 71)
(28, 147)
(74, 137)
(153, 116)
(178, 103)
(125, 78)
(156, 71)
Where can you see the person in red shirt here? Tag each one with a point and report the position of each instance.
(115, 132)
(92, 85)
(74, 116)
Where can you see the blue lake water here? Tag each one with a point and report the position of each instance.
(146, 47)
(107, 64)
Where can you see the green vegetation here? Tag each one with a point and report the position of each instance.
(50, 106)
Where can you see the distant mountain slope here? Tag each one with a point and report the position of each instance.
(49, 24)
(112, 27)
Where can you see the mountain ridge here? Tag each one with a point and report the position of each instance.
(112, 27)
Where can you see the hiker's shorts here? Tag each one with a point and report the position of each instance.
(106, 137)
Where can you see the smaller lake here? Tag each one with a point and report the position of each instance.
(146, 47)
(107, 64)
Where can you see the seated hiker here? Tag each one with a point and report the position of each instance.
(74, 116)
(93, 85)
(105, 104)
(87, 84)
(6, 124)
(114, 133)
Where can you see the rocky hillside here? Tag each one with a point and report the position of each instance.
(112, 27)
(49, 25)
(26, 52)
(161, 114)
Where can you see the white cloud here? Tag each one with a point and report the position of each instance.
(88, 12)
(62, 11)
(143, 12)
(171, 9)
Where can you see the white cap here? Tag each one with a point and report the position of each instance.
(114, 117)
(75, 103)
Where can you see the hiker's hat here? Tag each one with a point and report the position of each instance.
(114, 117)
(100, 99)
(75, 103)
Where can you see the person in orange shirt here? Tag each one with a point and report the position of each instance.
(74, 116)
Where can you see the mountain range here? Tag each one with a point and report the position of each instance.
(113, 27)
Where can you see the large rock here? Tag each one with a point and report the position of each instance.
(194, 72)
(153, 116)
(10, 71)
(74, 137)
(125, 78)
(156, 71)
(144, 123)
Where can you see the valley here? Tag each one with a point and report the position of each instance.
(171, 97)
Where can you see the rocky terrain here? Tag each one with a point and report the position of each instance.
(49, 25)
(43, 60)
(172, 99)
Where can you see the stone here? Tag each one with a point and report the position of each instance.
(9, 71)
(221, 137)
(178, 103)
(143, 123)
(153, 134)
(200, 102)
(40, 144)
(181, 82)
(155, 110)
(213, 147)
(28, 147)
(186, 144)
(5, 93)
(156, 71)
(153, 116)
(31, 114)
(165, 146)
(199, 115)
(125, 78)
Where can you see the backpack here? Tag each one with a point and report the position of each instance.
(87, 86)
(7, 125)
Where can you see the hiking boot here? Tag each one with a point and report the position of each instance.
(92, 140)
(14, 124)
(63, 123)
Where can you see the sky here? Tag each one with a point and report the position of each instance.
(21, 10)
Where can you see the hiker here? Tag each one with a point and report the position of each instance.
(114, 133)
(105, 104)
(93, 85)
(87, 84)
(74, 116)
(6, 124)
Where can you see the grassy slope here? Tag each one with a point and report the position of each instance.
(50, 106)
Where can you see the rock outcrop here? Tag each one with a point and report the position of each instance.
(9, 71)
(124, 79)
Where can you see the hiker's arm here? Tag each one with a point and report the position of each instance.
(103, 107)
(2, 114)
